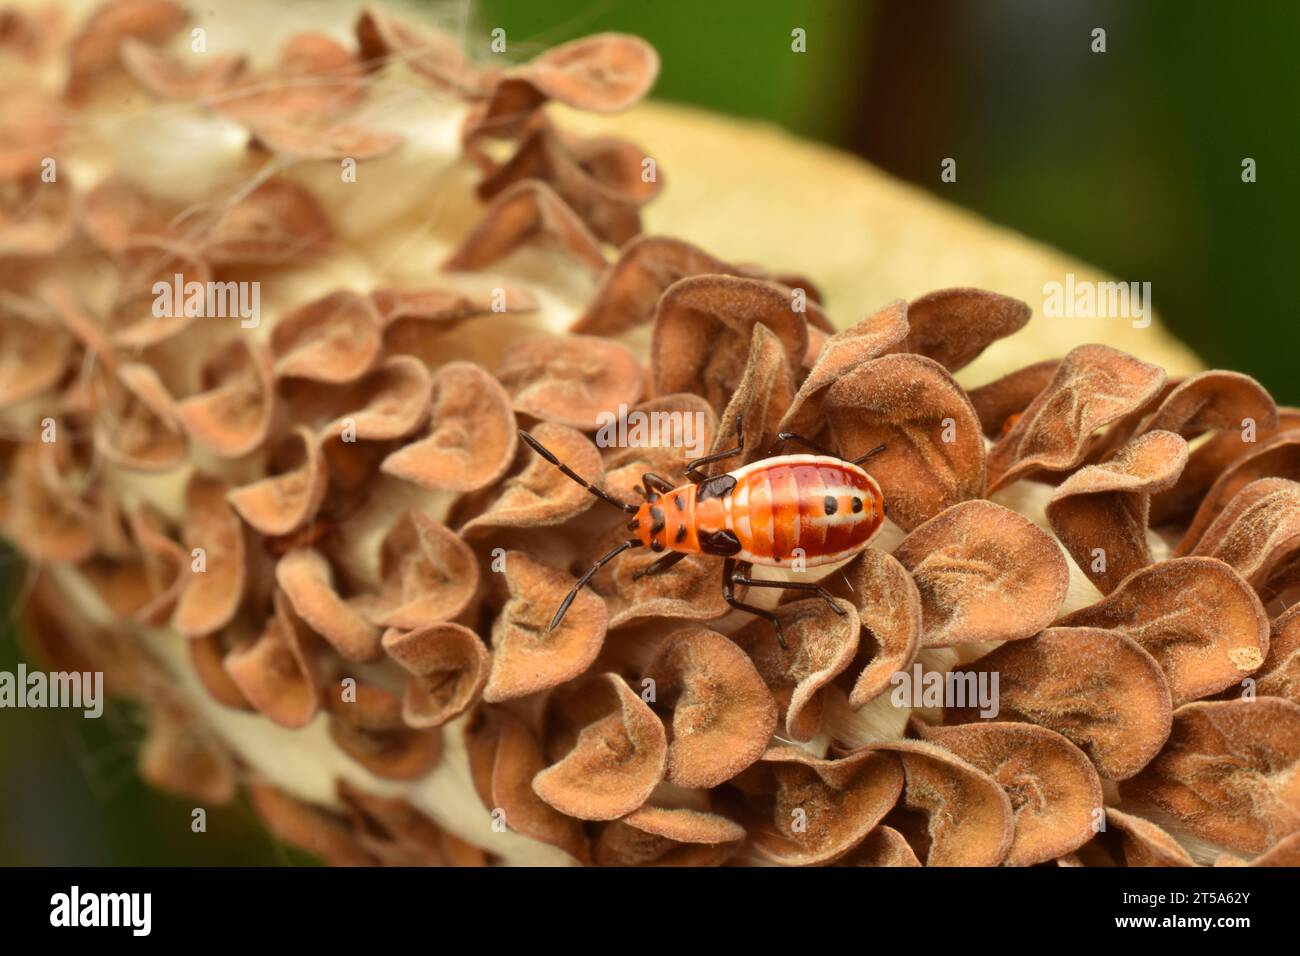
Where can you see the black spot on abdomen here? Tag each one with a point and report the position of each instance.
(831, 505)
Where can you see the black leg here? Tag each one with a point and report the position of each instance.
(729, 595)
(741, 577)
(871, 454)
(568, 472)
(653, 482)
(582, 581)
(660, 566)
(693, 467)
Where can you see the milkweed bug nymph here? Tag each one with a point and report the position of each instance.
(825, 506)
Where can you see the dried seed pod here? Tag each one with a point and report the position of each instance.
(429, 52)
(1229, 773)
(884, 846)
(984, 573)
(947, 789)
(277, 672)
(278, 222)
(702, 332)
(761, 397)
(1104, 508)
(397, 834)
(604, 73)
(687, 592)
(335, 339)
(524, 213)
(802, 811)
(527, 657)
(722, 713)
(821, 644)
(570, 380)
(660, 836)
(286, 501)
(308, 581)
(613, 750)
(207, 656)
(1280, 675)
(1195, 616)
(1097, 688)
(171, 77)
(1094, 386)
(953, 326)
(428, 575)
(656, 436)
(307, 827)
(232, 415)
(1002, 402)
(1142, 843)
(368, 727)
(1258, 531)
(1053, 788)
(934, 449)
(214, 538)
(889, 609)
(540, 495)
(472, 438)
(34, 355)
(448, 665)
(1277, 457)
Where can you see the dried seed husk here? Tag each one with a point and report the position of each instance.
(284, 502)
(448, 665)
(1257, 532)
(307, 827)
(277, 672)
(211, 597)
(232, 416)
(526, 212)
(1280, 675)
(889, 609)
(307, 580)
(954, 326)
(572, 380)
(662, 836)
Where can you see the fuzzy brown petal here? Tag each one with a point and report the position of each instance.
(232, 416)
(278, 222)
(143, 431)
(207, 656)
(1053, 788)
(889, 609)
(1276, 457)
(308, 581)
(429, 52)
(172, 77)
(46, 523)
(1280, 675)
(1094, 386)
(1213, 400)
(179, 757)
(334, 340)
(211, 596)
(1145, 844)
(1257, 531)
(472, 438)
(117, 213)
(166, 565)
(663, 451)
(371, 731)
(527, 211)
(603, 73)
(570, 380)
(541, 495)
(446, 308)
(884, 846)
(1195, 616)
(703, 328)
(821, 644)
(806, 811)
(934, 449)
(526, 656)
(504, 758)
(1098, 688)
(36, 218)
(661, 836)
(984, 573)
(761, 397)
(617, 752)
(722, 713)
(277, 672)
(429, 574)
(1230, 773)
(307, 827)
(448, 665)
(1105, 508)
(286, 501)
(1002, 402)
(953, 326)
(143, 264)
(398, 834)
(970, 820)
(95, 47)
(688, 591)
(34, 354)
(875, 335)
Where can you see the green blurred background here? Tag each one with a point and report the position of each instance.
(1129, 159)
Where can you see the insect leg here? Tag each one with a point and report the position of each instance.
(660, 566)
(692, 469)
(871, 454)
(582, 581)
(729, 573)
(653, 482)
(783, 437)
(603, 495)
(741, 577)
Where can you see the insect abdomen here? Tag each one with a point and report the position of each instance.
(826, 508)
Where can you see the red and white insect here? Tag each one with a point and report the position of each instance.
(817, 508)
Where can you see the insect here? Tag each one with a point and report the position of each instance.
(818, 507)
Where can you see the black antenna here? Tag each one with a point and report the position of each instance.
(604, 496)
(871, 454)
(582, 581)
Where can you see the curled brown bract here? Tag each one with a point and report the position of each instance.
(1195, 616)
(277, 672)
(284, 502)
(1100, 513)
(527, 211)
(889, 609)
(427, 572)
(232, 416)
(722, 713)
(1097, 688)
(214, 538)
(1230, 773)
(1257, 532)
(307, 580)
(953, 326)
(612, 750)
(448, 665)
(541, 495)
(334, 340)
(579, 381)
(307, 827)
(181, 756)
(1280, 675)
(367, 725)
(984, 573)
(662, 836)
(95, 47)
